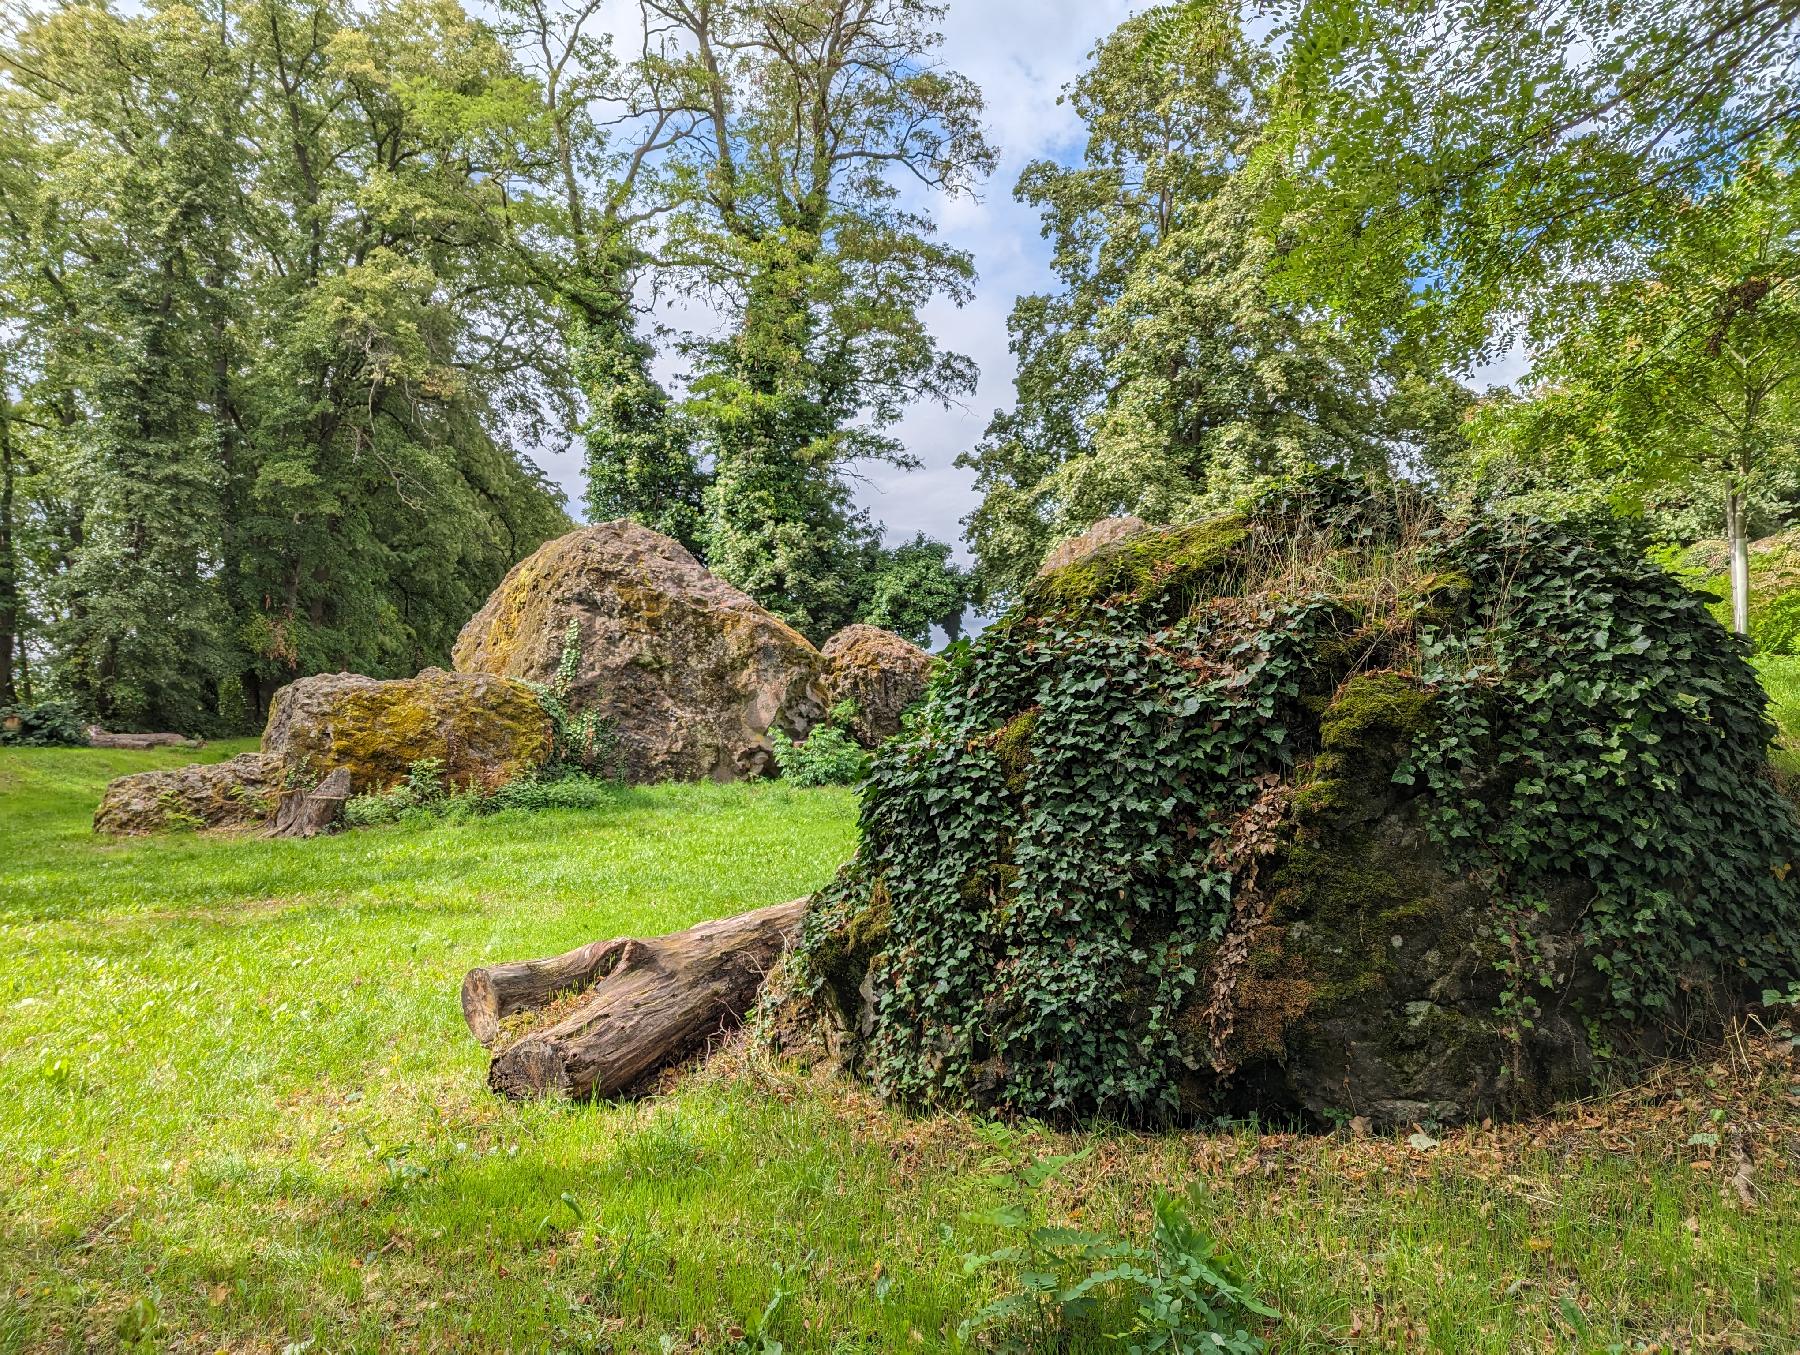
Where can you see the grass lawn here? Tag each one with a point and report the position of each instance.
(239, 1110)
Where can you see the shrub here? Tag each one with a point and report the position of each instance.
(1177, 1293)
(829, 756)
(425, 798)
(45, 724)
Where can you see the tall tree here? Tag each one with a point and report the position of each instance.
(1684, 372)
(580, 211)
(1166, 376)
(277, 340)
(790, 222)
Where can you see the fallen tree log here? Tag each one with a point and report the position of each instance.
(650, 1003)
(100, 738)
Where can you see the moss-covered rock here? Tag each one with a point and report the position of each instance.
(693, 672)
(239, 793)
(1336, 804)
(880, 673)
(484, 731)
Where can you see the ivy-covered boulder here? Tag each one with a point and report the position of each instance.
(880, 673)
(484, 731)
(692, 673)
(1333, 806)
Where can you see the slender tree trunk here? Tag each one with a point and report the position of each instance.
(11, 641)
(1737, 538)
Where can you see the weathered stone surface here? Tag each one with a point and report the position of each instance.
(485, 730)
(881, 672)
(693, 671)
(234, 794)
(1102, 533)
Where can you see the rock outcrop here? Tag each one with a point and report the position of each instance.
(238, 793)
(1335, 806)
(1102, 533)
(339, 734)
(879, 671)
(485, 730)
(693, 672)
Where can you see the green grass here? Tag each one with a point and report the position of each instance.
(234, 1082)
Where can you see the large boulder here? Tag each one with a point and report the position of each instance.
(1338, 806)
(879, 671)
(693, 672)
(484, 730)
(238, 793)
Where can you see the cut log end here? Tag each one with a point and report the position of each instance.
(650, 1003)
(533, 1069)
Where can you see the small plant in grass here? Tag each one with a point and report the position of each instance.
(1178, 1293)
(586, 741)
(829, 756)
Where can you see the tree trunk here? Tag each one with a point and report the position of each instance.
(11, 638)
(649, 1003)
(303, 813)
(1735, 535)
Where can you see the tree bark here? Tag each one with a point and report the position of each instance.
(1736, 536)
(99, 738)
(309, 813)
(651, 1003)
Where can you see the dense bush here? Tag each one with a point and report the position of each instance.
(1050, 859)
(46, 724)
(828, 756)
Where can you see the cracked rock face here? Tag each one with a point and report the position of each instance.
(693, 672)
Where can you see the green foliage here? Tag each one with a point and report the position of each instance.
(1178, 1293)
(1628, 740)
(637, 463)
(1045, 839)
(828, 756)
(586, 743)
(916, 586)
(424, 797)
(1465, 169)
(270, 351)
(45, 724)
(1166, 376)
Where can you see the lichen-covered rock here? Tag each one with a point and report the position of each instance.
(881, 673)
(485, 730)
(1337, 805)
(694, 673)
(1102, 533)
(238, 793)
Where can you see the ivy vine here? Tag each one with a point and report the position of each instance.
(1046, 870)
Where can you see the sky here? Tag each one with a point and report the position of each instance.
(1021, 53)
